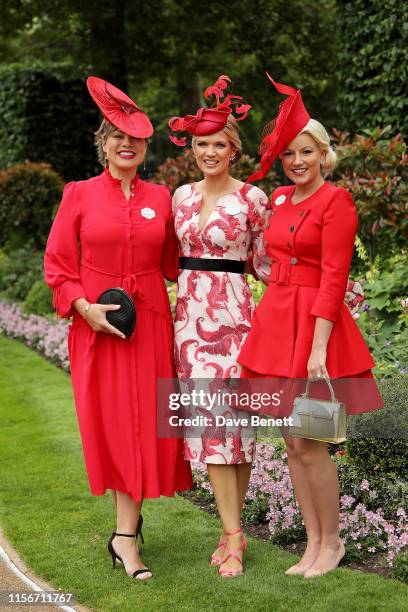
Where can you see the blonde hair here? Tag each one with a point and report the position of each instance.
(319, 134)
(231, 130)
(101, 135)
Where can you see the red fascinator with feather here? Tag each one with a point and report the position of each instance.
(119, 109)
(212, 119)
(278, 133)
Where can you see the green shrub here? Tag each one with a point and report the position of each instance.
(373, 63)
(378, 441)
(45, 116)
(400, 567)
(374, 169)
(388, 343)
(19, 271)
(28, 194)
(384, 326)
(39, 299)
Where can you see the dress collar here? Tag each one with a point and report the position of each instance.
(117, 183)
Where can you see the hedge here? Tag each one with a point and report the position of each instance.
(47, 118)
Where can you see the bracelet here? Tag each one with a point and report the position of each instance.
(87, 307)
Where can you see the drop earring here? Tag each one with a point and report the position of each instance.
(144, 163)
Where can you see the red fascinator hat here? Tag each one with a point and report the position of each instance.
(278, 133)
(119, 109)
(212, 119)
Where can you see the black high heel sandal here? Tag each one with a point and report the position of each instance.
(138, 530)
(116, 557)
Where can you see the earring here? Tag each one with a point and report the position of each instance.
(144, 163)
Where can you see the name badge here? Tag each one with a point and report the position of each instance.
(280, 200)
(148, 213)
(233, 208)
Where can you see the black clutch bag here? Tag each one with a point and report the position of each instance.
(123, 319)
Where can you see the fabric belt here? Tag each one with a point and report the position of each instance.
(130, 282)
(292, 273)
(212, 265)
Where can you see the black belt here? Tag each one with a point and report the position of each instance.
(212, 265)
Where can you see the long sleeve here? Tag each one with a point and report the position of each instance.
(259, 212)
(61, 260)
(338, 234)
(170, 256)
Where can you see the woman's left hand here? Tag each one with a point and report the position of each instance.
(316, 366)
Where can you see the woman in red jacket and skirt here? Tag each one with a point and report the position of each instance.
(115, 230)
(302, 328)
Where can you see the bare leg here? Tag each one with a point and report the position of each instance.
(227, 495)
(304, 496)
(243, 475)
(128, 512)
(323, 483)
(114, 498)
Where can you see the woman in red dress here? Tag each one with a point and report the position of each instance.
(302, 328)
(115, 230)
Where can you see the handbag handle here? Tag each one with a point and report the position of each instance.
(327, 380)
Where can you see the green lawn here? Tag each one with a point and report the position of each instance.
(61, 531)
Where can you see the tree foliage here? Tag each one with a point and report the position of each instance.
(374, 64)
(45, 118)
(165, 52)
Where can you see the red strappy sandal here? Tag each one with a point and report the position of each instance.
(233, 554)
(215, 559)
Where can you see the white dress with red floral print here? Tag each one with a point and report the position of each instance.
(214, 310)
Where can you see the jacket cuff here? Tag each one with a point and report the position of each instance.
(63, 297)
(325, 311)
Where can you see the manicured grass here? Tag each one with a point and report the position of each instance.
(61, 531)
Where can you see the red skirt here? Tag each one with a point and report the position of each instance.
(359, 392)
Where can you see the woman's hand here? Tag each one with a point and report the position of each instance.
(316, 366)
(95, 316)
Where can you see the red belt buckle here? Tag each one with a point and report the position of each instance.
(283, 273)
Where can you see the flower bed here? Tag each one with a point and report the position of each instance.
(270, 500)
(47, 337)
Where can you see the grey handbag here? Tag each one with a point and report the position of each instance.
(317, 419)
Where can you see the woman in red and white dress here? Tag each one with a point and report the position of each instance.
(302, 328)
(219, 221)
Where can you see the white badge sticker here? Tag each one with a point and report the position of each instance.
(233, 208)
(148, 213)
(280, 200)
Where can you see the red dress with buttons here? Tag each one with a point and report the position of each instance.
(311, 246)
(100, 240)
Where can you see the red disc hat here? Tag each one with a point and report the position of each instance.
(212, 119)
(119, 109)
(291, 119)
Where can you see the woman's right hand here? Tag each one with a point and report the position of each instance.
(95, 316)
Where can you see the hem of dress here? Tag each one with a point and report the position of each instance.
(274, 375)
(222, 463)
(102, 492)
